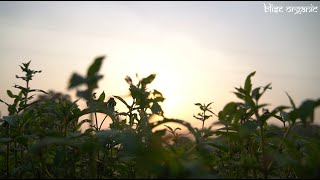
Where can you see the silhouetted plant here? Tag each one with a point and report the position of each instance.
(43, 138)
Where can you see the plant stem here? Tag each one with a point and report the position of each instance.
(95, 116)
(103, 121)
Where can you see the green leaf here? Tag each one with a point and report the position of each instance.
(92, 81)
(291, 101)
(157, 93)
(208, 105)
(256, 94)
(10, 94)
(228, 113)
(239, 95)
(268, 86)
(240, 90)
(248, 85)
(156, 109)
(26, 65)
(159, 99)
(148, 79)
(76, 80)
(111, 103)
(306, 110)
(248, 128)
(12, 109)
(285, 116)
(207, 117)
(123, 101)
(95, 67)
(101, 97)
(84, 94)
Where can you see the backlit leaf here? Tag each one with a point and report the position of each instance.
(95, 66)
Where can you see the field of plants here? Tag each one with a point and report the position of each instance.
(41, 135)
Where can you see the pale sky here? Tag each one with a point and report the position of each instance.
(200, 51)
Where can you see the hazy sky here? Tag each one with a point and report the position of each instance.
(199, 50)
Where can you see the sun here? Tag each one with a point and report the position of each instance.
(168, 85)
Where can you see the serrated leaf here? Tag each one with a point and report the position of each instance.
(239, 95)
(248, 85)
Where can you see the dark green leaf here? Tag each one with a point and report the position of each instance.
(255, 93)
(208, 105)
(159, 99)
(10, 94)
(239, 95)
(291, 101)
(306, 110)
(123, 101)
(84, 94)
(156, 108)
(248, 85)
(285, 116)
(101, 97)
(248, 128)
(148, 79)
(171, 130)
(95, 66)
(157, 93)
(76, 80)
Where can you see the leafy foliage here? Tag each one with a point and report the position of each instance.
(43, 138)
